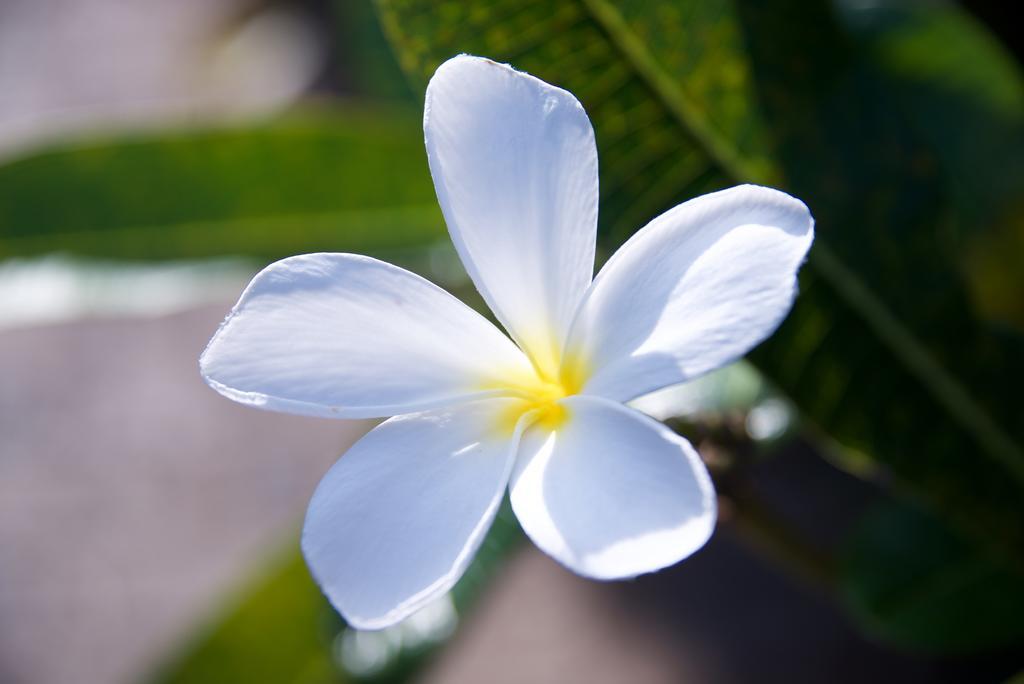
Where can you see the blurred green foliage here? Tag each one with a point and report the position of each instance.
(911, 581)
(239, 647)
(282, 630)
(352, 179)
(965, 100)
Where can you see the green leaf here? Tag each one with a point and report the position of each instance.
(282, 629)
(883, 349)
(910, 581)
(347, 180)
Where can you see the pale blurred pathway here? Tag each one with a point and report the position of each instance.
(133, 499)
(69, 67)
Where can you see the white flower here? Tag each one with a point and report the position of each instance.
(602, 488)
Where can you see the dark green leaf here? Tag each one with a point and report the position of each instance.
(367, 65)
(351, 180)
(965, 98)
(883, 349)
(912, 582)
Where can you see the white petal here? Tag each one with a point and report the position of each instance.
(515, 167)
(347, 336)
(398, 518)
(696, 288)
(612, 493)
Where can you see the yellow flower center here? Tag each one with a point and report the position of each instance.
(545, 401)
(541, 396)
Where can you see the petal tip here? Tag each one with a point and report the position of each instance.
(781, 199)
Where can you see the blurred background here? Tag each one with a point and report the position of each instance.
(869, 457)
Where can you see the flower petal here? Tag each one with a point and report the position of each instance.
(347, 336)
(612, 493)
(515, 167)
(398, 518)
(696, 288)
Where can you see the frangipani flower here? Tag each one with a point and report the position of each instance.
(607, 491)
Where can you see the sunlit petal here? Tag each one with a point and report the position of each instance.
(696, 288)
(398, 518)
(341, 335)
(515, 167)
(612, 493)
